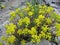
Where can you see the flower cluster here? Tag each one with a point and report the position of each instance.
(10, 29)
(33, 24)
(11, 39)
(25, 20)
(57, 26)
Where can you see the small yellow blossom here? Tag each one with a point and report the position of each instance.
(57, 27)
(27, 8)
(48, 21)
(45, 28)
(35, 39)
(49, 9)
(11, 39)
(30, 13)
(10, 28)
(20, 22)
(21, 14)
(17, 10)
(13, 13)
(23, 42)
(42, 34)
(38, 22)
(48, 36)
(19, 31)
(3, 38)
(25, 31)
(26, 20)
(41, 17)
(41, 11)
(33, 31)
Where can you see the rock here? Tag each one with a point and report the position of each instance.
(44, 42)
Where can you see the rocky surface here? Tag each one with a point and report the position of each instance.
(11, 5)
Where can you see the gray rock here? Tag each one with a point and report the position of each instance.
(44, 42)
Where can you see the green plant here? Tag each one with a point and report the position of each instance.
(0, 43)
(2, 6)
(32, 24)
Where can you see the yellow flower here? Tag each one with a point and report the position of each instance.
(44, 6)
(37, 21)
(30, 13)
(41, 17)
(40, 6)
(20, 22)
(57, 33)
(21, 14)
(17, 10)
(26, 20)
(27, 8)
(19, 31)
(3, 38)
(10, 28)
(45, 28)
(48, 21)
(11, 39)
(33, 31)
(48, 36)
(23, 42)
(42, 34)
(32, 9)
(35, 38)
(13, 13)
(57, 27)
(49, 9)
(41, 11)
(32, 40)
(25, 31)
(28, 4)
